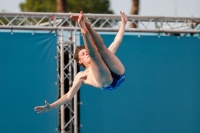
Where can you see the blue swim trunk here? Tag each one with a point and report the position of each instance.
(117, 81)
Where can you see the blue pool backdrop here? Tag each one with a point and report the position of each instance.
(161, 92)
(27, 78)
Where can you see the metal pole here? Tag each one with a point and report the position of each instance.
(70, 67)
(75, 97)
(62, 92)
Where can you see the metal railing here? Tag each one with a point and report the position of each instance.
(100, 22)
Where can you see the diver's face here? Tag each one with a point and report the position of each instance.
(83, 57)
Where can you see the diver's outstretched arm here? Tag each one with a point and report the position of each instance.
(65, 98)
(118, 38)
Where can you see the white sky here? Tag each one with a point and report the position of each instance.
(185, 8)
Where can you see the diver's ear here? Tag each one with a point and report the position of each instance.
(80, 61)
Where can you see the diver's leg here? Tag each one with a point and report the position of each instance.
(100, 70)
(111, 60)
(113, 63)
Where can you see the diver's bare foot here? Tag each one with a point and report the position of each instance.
(81, 22)
(75, 18)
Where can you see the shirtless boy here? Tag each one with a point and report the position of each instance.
(103, 69)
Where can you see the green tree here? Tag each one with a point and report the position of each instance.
(38, 6)
(135, 11)
(75, 6)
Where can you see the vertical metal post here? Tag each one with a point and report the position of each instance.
(161, 23)
(156, 24)
(70, 46)
(62, 92)
(75, 97)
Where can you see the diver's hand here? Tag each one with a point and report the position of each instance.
(41, 109)
(124, 18)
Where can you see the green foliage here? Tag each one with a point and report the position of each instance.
(38, 6)
(75, 6)
(89, 6)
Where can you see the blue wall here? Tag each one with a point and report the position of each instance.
(27, 78)
(160, 93)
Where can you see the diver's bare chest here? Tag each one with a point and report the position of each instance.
(90, 78)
